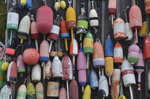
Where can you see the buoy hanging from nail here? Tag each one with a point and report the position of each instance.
(98, 55)
(71, 18)
(112, 6)
(119, 29)
(81, 66)
(24, 28)
(64, 32)
(48, 70)
(139, 68)
(67, 71)
(118, 53)
(94, 22)
(133, 53)
(135, 19)
(103, 86)
(53, 35)
(62, 93)
(73, 90)
(82, 23)
(34, 32)
(109, 67)
(30, 91)
(31, 56)
(57, 67)
(146, 47)
(87, 92)
(21, 94)
(109, 50)
(12, 21)
(115, 85)
(36, 73)
(143, 30)
(44, 18)
(128, 75)
(128, 30)
(39, 90)
(147, 6)
(2, 74)
(20, 64)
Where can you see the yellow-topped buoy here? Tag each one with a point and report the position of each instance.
(63, 4)
(71, 20)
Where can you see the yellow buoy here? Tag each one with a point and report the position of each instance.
(63, 4)
(109, 67)
(57, 6)
(87, 92)
(4, 66)
(23, 2)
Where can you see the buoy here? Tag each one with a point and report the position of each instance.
(81, 66)
(57, 6)
(30, 91)
(21, 94)
(103, 86)
(52, 89)
(109, 50)
(53, 35)
(73, 52)
(64, 32)
(29, 4)
(4, 66)
(82, 23)
(98, 55)
(44, 18)
(133, 53)
(128, 30)
(73, 90)
(88, 46)
(119, 29)
(67, 71)
(112, 6)
(115, 85)
(147, 6)
(36, 73)
(12, 72)
(48, 70)
(146, 47)
(12, 21)
(71, 19)
(23, 2)
(24, 28)
(34, 32)
(128, 75)
(87, 92)
(5, 92)
(62, 4)
(143, 30)
(31, 56)
(20, 64)
(135, 19)
(39, 90)
(2, 74)
(94, 22)
(139, 68)
(118, 53)
(93, 79)
(109, 67)
(57, 67)
(62, 93)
